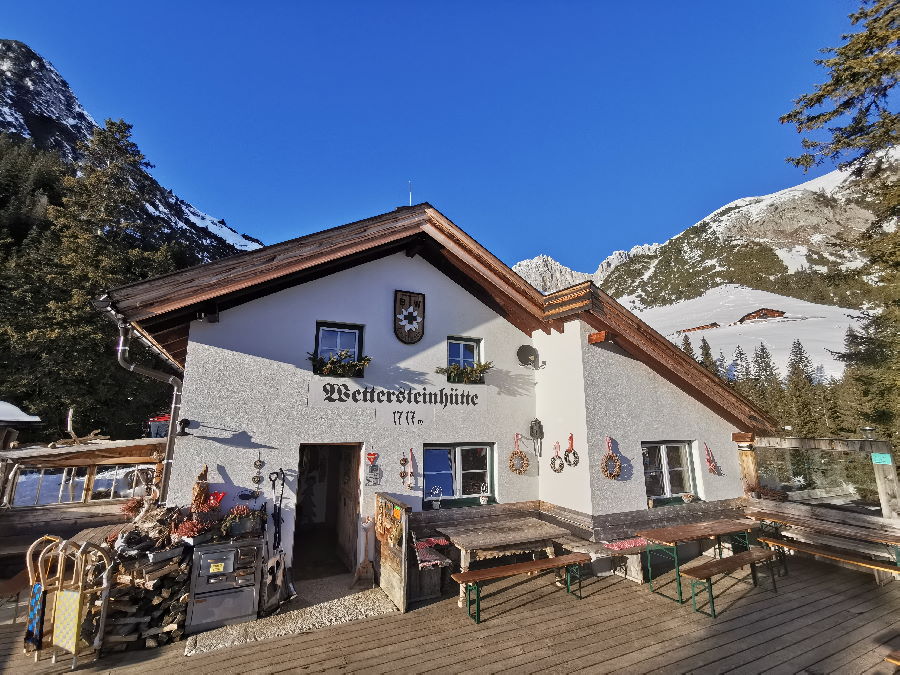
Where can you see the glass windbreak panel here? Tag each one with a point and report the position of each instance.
(474, 459)
(438, 472)
(27, 487)
(50, 486)
(73, 485)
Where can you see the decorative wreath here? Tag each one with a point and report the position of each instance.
(571, 456)
(518, 460)
(556, 462)
(610, 456)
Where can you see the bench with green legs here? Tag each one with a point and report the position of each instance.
(701, 575)
(473, 579)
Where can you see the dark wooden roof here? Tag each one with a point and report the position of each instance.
(161, 309)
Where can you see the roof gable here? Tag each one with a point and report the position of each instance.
(162, 308)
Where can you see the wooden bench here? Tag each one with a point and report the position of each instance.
(474, 578)
(701, 575)
(780, 543)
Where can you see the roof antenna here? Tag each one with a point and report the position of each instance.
(410, 192)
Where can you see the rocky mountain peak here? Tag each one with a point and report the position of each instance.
(37, 103)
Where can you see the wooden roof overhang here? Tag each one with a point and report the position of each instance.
(161, 309)
(585, 301)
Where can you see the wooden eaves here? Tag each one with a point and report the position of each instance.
(161, 309)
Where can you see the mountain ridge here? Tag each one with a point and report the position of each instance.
(38, 104)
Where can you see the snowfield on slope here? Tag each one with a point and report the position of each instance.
(821, 328)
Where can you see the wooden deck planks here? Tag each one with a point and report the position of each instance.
(823, 619)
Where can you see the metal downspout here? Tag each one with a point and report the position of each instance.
(124, 342)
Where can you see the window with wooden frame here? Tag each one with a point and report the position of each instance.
(335, 338)
(459, 470)
(463, 353)
(667, 469)
(42, 486)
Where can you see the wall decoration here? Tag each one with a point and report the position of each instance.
(518, 460)
(610, 465)
(484, 497)
(536, 434)
(711, 465)
(373, 472)
(409, 316)
(556, 462)
(411, 473)
(571, 456)
(403, 472)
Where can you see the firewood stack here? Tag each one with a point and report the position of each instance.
(147, 604)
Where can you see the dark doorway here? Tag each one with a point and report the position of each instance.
(327, 529)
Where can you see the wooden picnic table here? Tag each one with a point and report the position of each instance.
(486, 538)
(665, 540)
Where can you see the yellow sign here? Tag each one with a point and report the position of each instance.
(216, 567)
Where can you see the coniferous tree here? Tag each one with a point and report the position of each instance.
(58, 351)
(707, 360)
(767, 387)
(741, 374)
(860, 127)
(800, 394)
(687, 347)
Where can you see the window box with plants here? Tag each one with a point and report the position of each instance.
(241, 519)
(339, 364)
(473, 374)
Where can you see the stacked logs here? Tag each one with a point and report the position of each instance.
(147, 604)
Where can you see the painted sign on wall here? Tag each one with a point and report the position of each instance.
(409, 316)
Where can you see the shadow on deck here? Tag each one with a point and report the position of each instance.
(823, 619)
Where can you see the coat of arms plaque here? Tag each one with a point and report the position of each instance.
(409, 316)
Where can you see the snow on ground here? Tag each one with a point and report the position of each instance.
(819, 327)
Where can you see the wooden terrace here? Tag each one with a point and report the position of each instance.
(823, 619)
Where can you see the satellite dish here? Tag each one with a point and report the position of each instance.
(528, 356)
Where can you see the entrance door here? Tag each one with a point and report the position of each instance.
(348, 507)
(326, 531)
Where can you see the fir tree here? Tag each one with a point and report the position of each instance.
(56, 350)
(767, 388)
(800, 395)
(856, 126)
(741, 374)
(707, 360)
(687, 347)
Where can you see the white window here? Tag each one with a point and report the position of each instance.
(667, 469)
(458, 470)
(462, 352)
(332, 340)
(67, 485)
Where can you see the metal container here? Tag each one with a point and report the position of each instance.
(224, 584)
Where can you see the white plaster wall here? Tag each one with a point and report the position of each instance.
(629, 402)
(561, 409)
(247, 379)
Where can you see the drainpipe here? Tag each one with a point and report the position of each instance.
(124, 341)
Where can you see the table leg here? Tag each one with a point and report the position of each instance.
(551, 553)
(465, 558)
(672, 553)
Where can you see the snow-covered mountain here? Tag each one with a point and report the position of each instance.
(784, 242)
(821, 328)
(37, 103)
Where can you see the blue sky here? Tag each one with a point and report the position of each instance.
(567, 128)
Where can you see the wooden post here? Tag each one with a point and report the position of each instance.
(888, 488)
(749, 469)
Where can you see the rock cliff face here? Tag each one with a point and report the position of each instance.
(788, 242)
(37, 103)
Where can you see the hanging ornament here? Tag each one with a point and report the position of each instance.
(610, 458)
(570, 455)
(711, 461)
(556, 462)
(518, 460)
(409, 485)
(403, 472)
